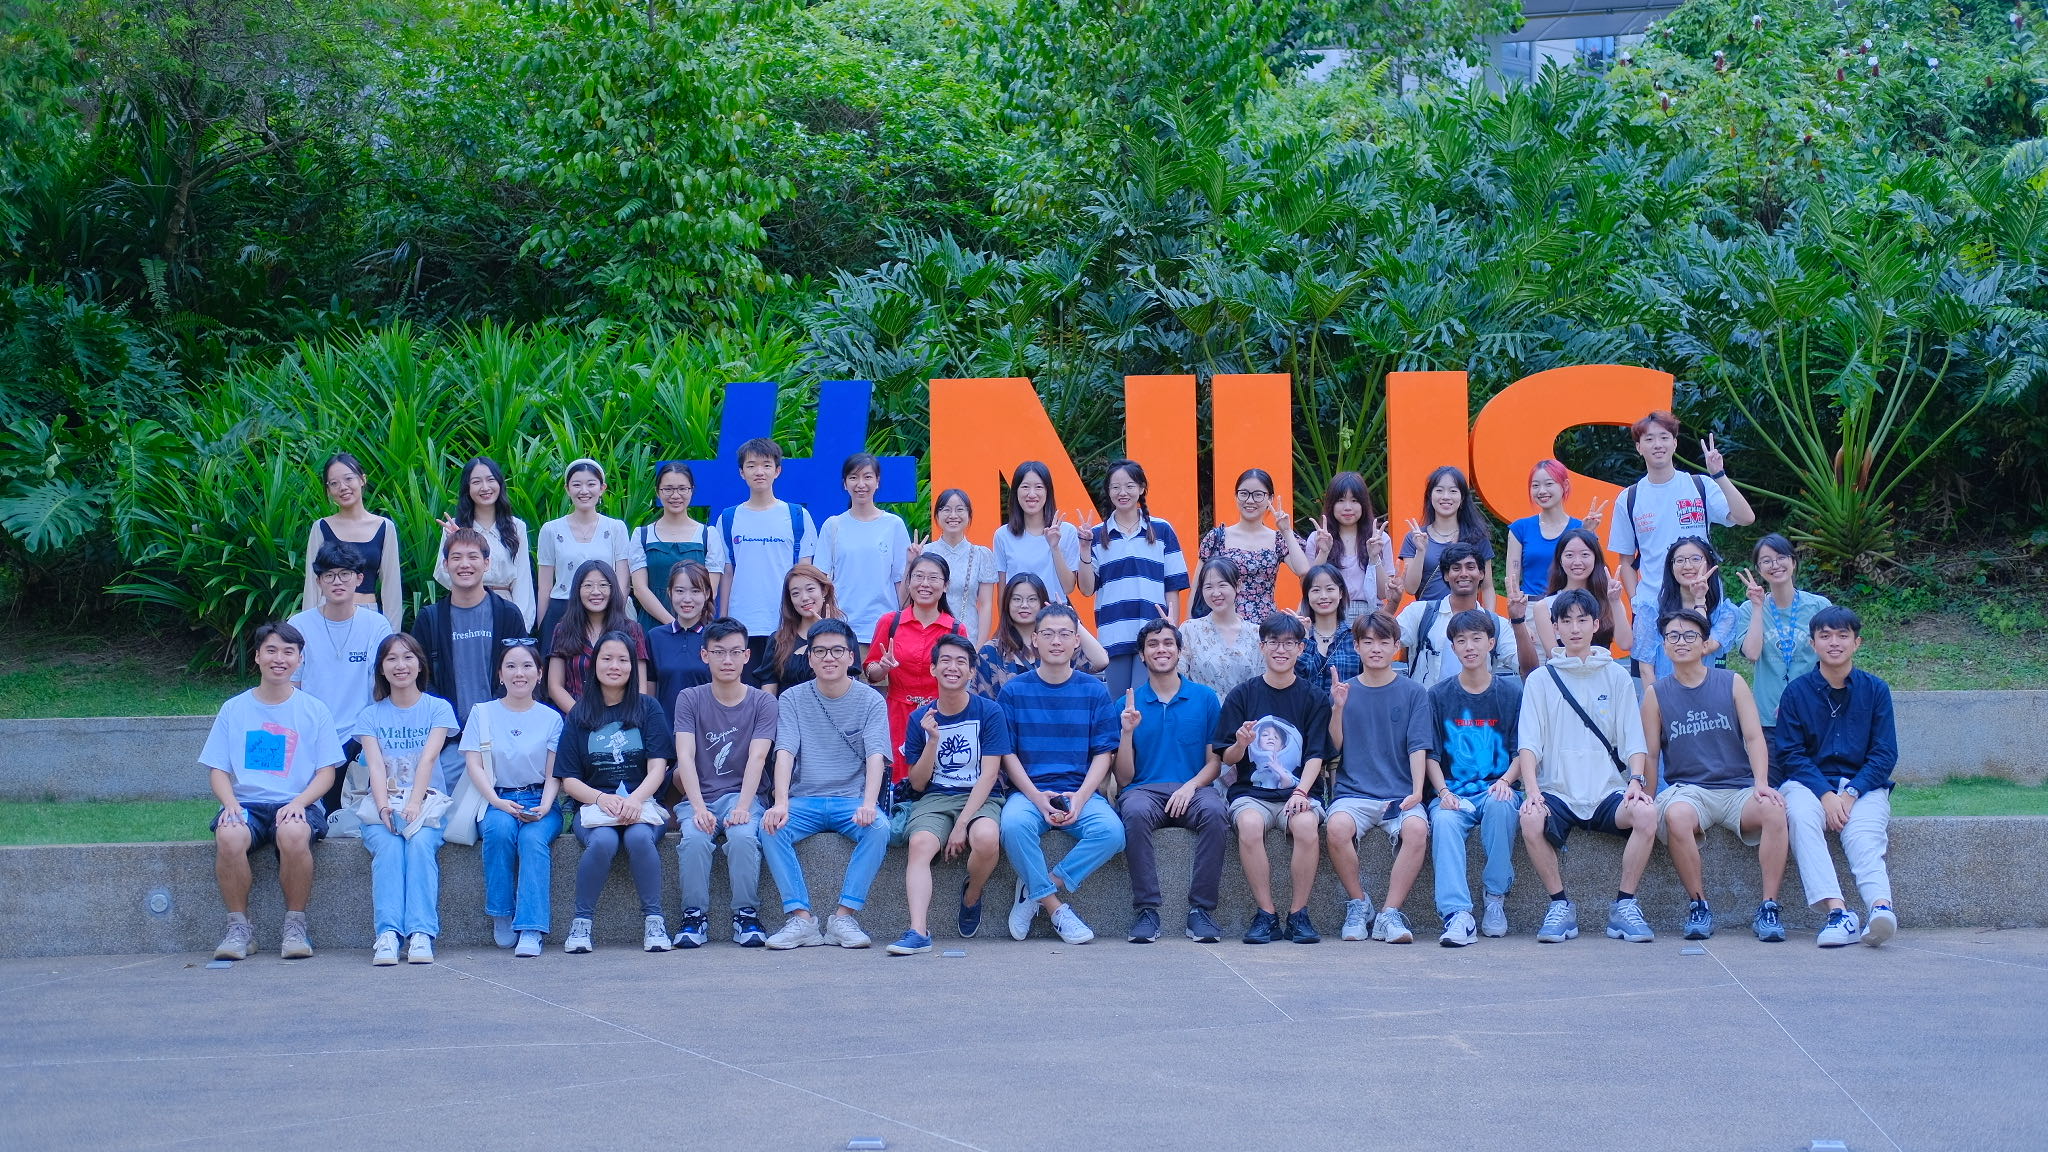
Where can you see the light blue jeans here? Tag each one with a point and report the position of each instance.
(405, 880)
(514, 848)
(1098, 835)
(808, 816)
(1497, 821)
(742, 854)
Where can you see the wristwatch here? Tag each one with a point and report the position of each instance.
(1851, 792)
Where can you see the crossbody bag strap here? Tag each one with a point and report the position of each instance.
(1587, 720)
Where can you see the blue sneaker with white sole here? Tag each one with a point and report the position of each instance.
(1625, 921)
(1560, 923)
(1699, 921)
(1767, 926)
(910, 943)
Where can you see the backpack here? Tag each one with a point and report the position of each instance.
(1422, 640)
(796, 530)
(1628, 502)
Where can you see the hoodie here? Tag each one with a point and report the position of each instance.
(1570, 763)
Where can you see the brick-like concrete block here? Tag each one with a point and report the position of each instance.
(88, 899)
(1944, 734)
(115, 758)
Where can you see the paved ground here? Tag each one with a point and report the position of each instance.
(1934, 1042)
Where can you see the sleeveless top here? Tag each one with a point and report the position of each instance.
(660, 556)
(372, 551)
(1702, 738)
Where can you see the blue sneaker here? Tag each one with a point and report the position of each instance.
(1202, 927)
(1625, 921)
(695, 930)
(1560, 923)
(910, 943)
(746, 928)
(1145, 928)
(1261, 931)
(970, 916)
(1766, 925)
(1699, 921)
(1301, 929)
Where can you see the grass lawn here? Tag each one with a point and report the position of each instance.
(145, 821)
(49, 673)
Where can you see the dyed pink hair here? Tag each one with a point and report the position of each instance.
(1555, 471)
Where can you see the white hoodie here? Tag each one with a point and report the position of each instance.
(1570, 763)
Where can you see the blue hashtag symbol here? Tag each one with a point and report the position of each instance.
(813, 481)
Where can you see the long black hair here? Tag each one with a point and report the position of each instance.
(568, 640)
(945, 581)
(1596, 580)
(1472, 528)
(591, 711)
(1669, 597)
(501, 512)
(1015, 511)
(1351, 485)
(1009, 641)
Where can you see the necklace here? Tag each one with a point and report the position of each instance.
(343, 638)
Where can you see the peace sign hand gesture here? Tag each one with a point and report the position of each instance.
(1417, 536)
(1381, 542)
(1130, 717)
(1320, 542)
(448, 524)
(1053, 524)
(917, 546)
(1281, 519)
(1087, 522)
(1596, 514)
(1710, 453)
(1698, 587)
(1751, 588)
(1340, 690)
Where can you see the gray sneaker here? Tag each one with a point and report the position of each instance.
(1459, 930)
(654, 934)
(234, 945)
(797, 932)
(845, 931)
(1560, 923)
(1391, 926)
(1358, 919)
(1494, 923)
(1067, 923)
(1625, 921)
(295, 945)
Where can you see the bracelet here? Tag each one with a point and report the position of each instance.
(1717, 475)
(1518, 620)
(1301, 791)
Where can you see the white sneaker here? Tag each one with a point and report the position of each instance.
(419, 949)
(529, 945)
(1883, 923)
(1067, 923)
(844, 931)
(1495, 922)
(654, 935)
(1391, 926)
(1358, 919)
(385, 954)
(579, 936)
(1459, 930)
(1840, 931)
(797, 932)
(1022, 913)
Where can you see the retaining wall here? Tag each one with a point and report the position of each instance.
(96, 899)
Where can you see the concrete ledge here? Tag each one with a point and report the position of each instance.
(1944, 734)
(94, 899)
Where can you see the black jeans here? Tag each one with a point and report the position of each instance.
(1143, 809)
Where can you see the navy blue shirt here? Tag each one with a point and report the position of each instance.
(976, 731)
(1171, 743)
(1822, 738)
(678, 662)
(1057, 729)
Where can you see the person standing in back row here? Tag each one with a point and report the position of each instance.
(863, 550)
(373, 539)
(464, 632)
(1132, 564)
(569, 542)
(764, 538)
(1662, 508)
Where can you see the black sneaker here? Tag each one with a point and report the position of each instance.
(1145, 929)
(1261, 931)
(746, 929)
(1202, 927)
(695, 929)
(1301, 929)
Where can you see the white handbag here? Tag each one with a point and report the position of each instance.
(466, 814)
(594, 816)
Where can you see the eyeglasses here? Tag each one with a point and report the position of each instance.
(337, 576)
(668, 490)
(835, 652)
(1682, 637)
(1248, 497)
(725, 653)
(1282, 642)
(1057, 633)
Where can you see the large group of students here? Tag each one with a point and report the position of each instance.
(763, 678)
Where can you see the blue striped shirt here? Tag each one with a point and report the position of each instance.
(1133, 580)
(1057, 729)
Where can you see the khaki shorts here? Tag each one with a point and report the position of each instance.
(1720, 807)
(938, 812)
(1274, 811)
(1367, 815)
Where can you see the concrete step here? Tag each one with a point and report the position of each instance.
(96, 899)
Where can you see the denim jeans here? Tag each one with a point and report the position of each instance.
(742, 854)
(808, 816)
(1497, 821)
(1098, 835)
(405, 880)
(643, 857)
(514, 847)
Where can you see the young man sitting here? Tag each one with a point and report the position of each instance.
(1380, 721)
(724, 731)
(1274, 735)
(831, 756)
(334, 666)
(1581, 763)
(1716, 770)
(1471, 774)
(1836, 750)
(1425, 624)
(1063, 730)
(955, 746)
(1164, 765)
(271, 754)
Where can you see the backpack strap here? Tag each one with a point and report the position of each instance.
(1585, 719)
(1422, 640)
(796, 530)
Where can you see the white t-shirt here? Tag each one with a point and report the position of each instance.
(760, 554)
(520, 741)
(272, 750)
(1663, 513)
(865, 559)
(559, 548)
(1029, 553)
(338, 665)
(1433, 661)
(402, 735)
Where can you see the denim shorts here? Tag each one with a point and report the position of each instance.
(262, 821)
(1560, 819)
